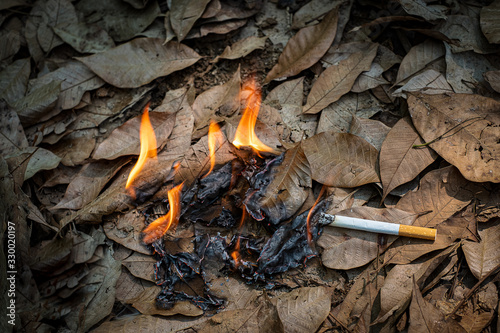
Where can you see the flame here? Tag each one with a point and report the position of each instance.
(236, 253)
(309, 215)
(160, 226)
(214, 136)
(148, 148)
(245, 135)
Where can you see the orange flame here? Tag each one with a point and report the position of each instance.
(148, 148)
(160, 226)
(309, 233)
(236, 253)
(214, 136)
(245, 135)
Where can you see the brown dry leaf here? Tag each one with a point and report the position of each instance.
(127, 231)
(129, 287)
(242, 48)
(14, 80)
(183, 15)
(425, 317)
(89, 182)
(343, 198)
(85, 141)
(85, 245)
(217, 28)
(305, 48)
(238, 295)
(38, 103)
(427, 82)
(441, 194)
(478, 315)
(347, 249)
(341, 159)
(125, 140)
(175, 100)
(489, 22)
(465, 129)
(304, 309)
(286, 192)
(337, 80)
(422, 9)
(85, 38)
(313, 10)
(482, 257)
(404, 250)
(144, 323)
(141, 266)
(418, 58)
(212, 9)
(399, 162)
(373, 131)
(140, 61)
(493, 78)
(146, 304)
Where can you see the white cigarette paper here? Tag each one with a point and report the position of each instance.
(378, 226)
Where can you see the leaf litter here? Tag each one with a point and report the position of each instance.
(384, 120)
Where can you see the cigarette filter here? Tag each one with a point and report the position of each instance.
(378, 226)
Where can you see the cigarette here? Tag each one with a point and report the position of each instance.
(378, 226)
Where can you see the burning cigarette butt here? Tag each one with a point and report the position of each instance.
(377, 226)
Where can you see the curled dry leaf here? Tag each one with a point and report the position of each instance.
(305, 48)
(347, 249)
(183, 15)
(464, 129)
(304, 309)
(242, 48)
(427, 82)
(140, 61)
(399, 161)
(482, 257)
(489, 22)
(441, 194)
(341, 159)
(337, 80)
(418, 58)
(125, 140)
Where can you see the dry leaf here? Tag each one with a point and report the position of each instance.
(183, 15)
(427, 82)
(373, 131)
(85, 141)
(12, 140)
(237, 294)
(39, 159)
(441, 194)
(337, 80)
(489, 22)
(125, 139)
(242, 48)
(493, 78)
(312, 11)
(85, 38)
(140, 61)
(464, 129)
(121, 21)
(141, 266)
(144, 323)
(127, 231)
(422, 9)
(36, 105)
(418, 58)
(341, 159)
(14, 80)
(482, 257)
(399, 162)
(347, 249)
(305, 48)
(129, 287)
(479, 314)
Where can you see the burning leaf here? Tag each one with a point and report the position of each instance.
(373, 131)
(121, 21)
(304, 309)
(183, 15)
(140, 61)
(242, 48)
(286, 181)
(422, 9)
(482, 257)
(347, 249)
(463, 129)
(305, 48)
(441, 194)
(489, 22)
(14, 80)
(399, 162)
(85, 38)
(418, 58)
(125, 140)
(337, 80)
(215, 139)
(341, 159)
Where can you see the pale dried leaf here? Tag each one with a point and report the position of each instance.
(146, 304)
(313, 10)
(373, 131)
(347, 249)
(427, 82)
(493, 78)
(85, 245)
(140, 61)
(342, 198)
(482, 257)
(129, 287)
(465, 129)
(144, 323)
(85, 141)
(39, 159)
(418, 58)
(341, 159)
(369, 79)
(489, 22)
(304, 309)
(242, 48)
(36, 105)
(337, 80)
(183, 15)
(141, 266)
(125, 140)
(127, 231)
(217, 28)
(305, 48)
(85, 38)
(14, 80)
(422, 9)
(399, 162)
(441, 194)
(121, 21)
(237, 294)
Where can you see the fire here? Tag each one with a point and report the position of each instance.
(214, 136)
(245, 135)
(236, 253)
(148, 148)
(309, 215)
(160, 226)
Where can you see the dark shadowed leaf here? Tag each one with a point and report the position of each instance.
(35, 106)
(146, 304)
(493, 78)
(489, 22)
(482, 257)
(183, 15)
(313, 10)
(14, 80)
(140, 61)
(85, 38)
(341, 159)
(422, 9)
